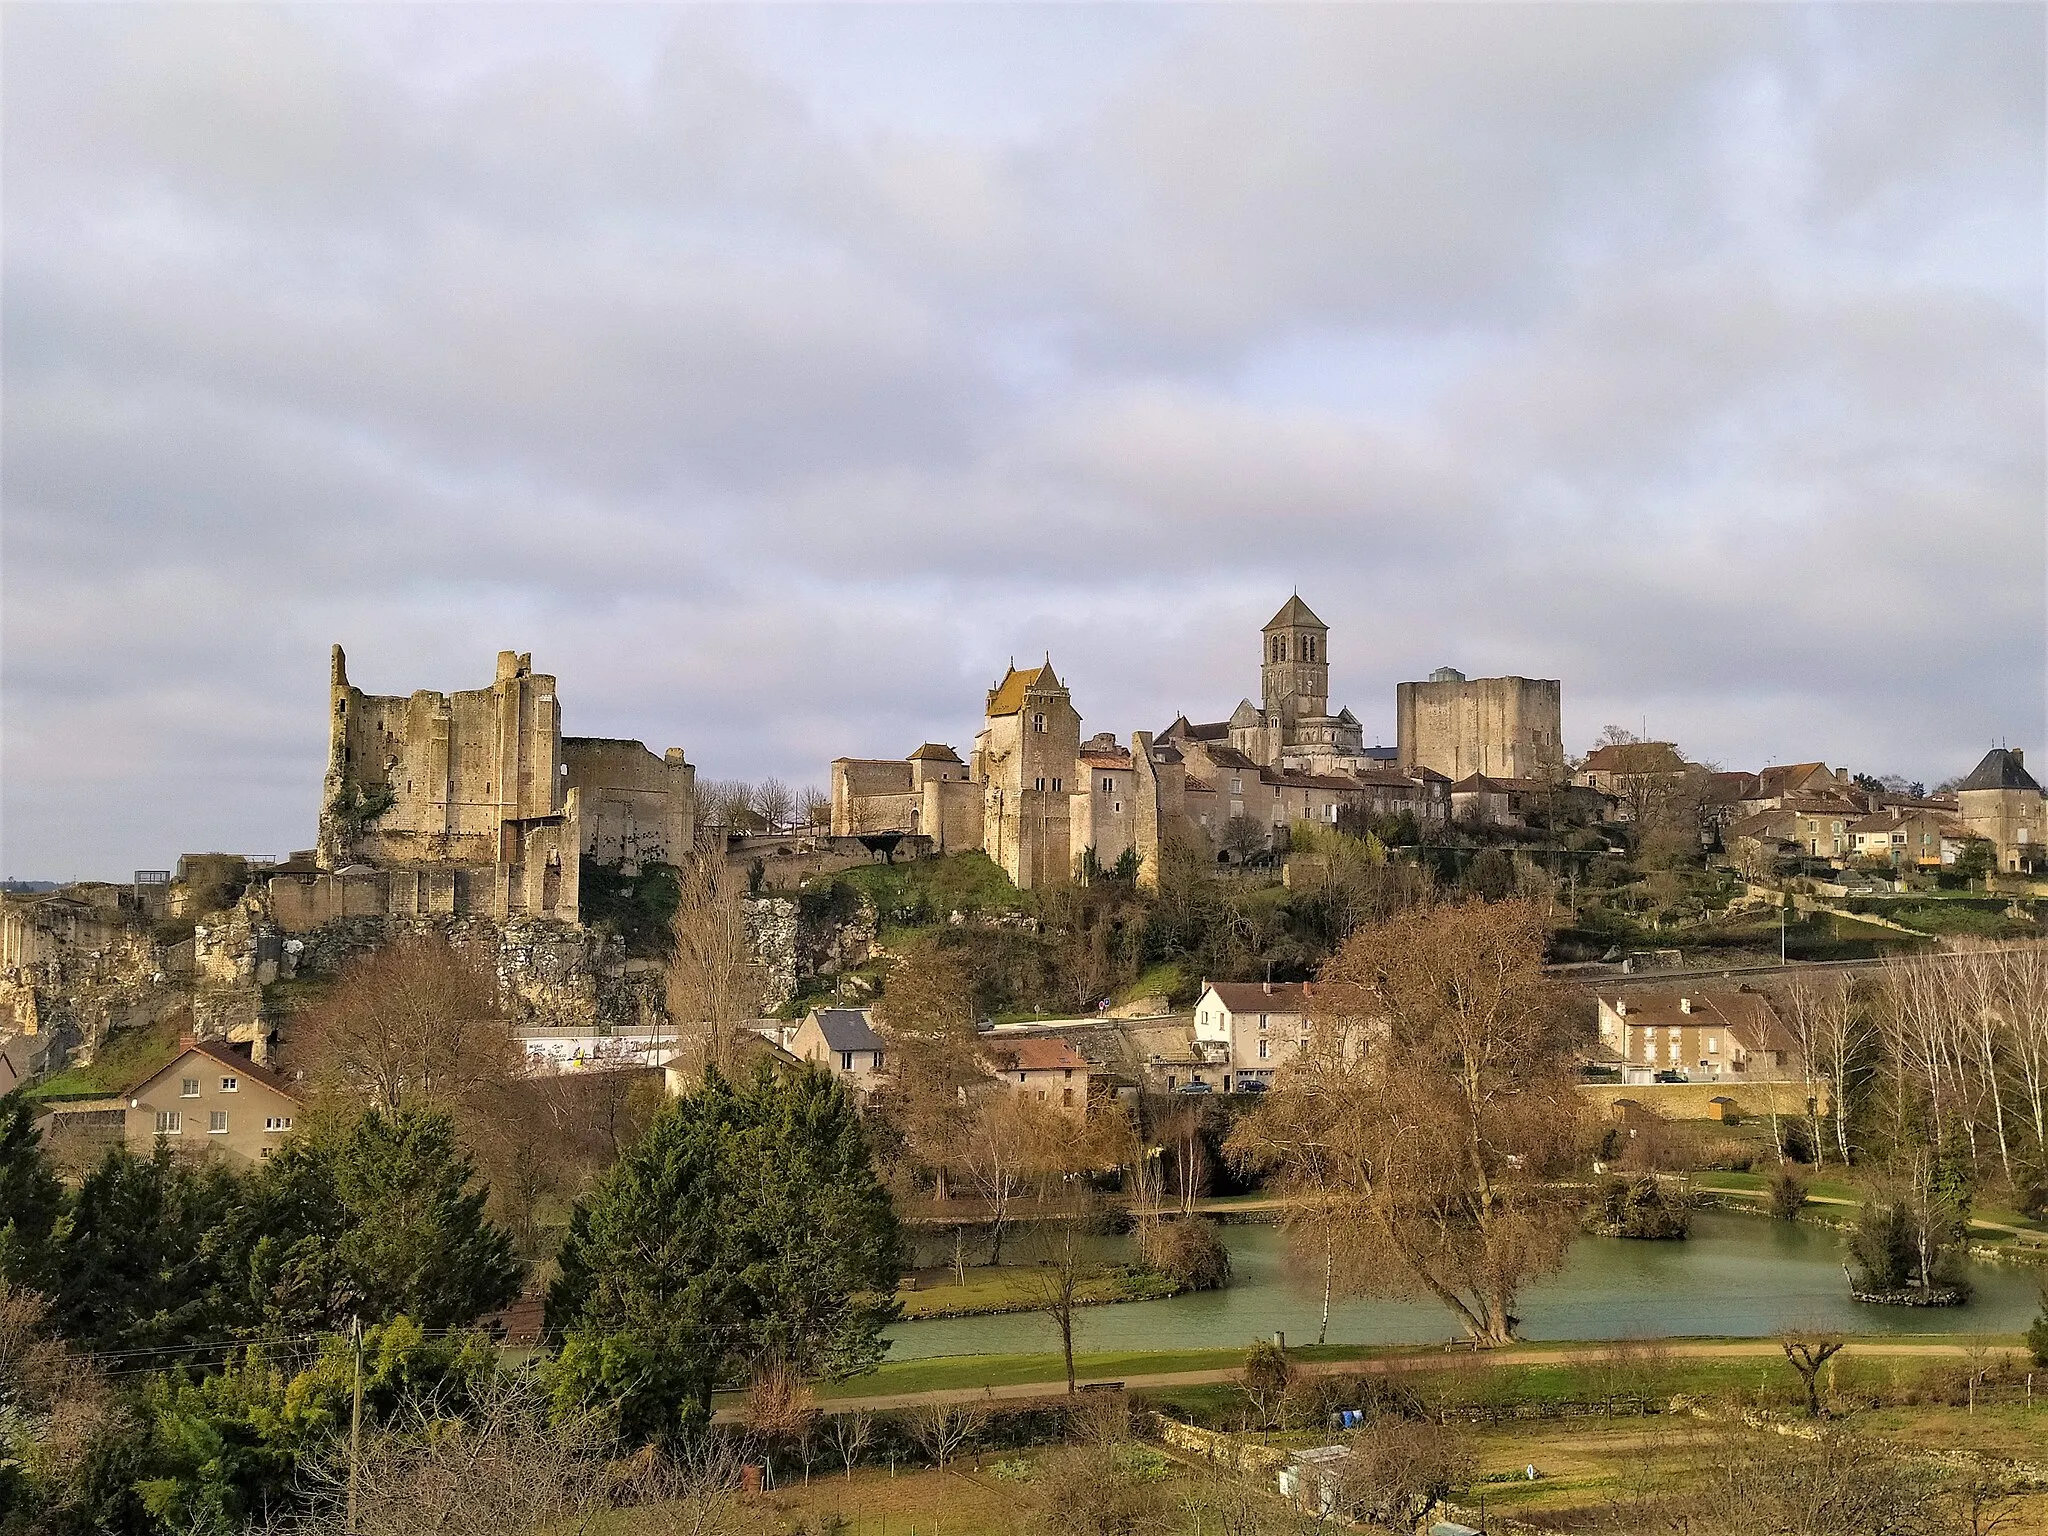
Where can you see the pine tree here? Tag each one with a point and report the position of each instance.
(416, 1241)
(744, 1225)
(31, 1198)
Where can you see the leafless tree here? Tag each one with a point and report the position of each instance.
(1399, 1471)
(714, 980)
(941, 1428)
(995, 1154)
(780, 1411)
(1447, 1136)
(1807, 1350)
(816, 806)
(1056, 1284)
(850, 1434)
(774, 802)
(414, 1022)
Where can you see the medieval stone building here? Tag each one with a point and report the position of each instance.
(1500, 727)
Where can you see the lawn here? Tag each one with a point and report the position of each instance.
(1004, 1289)
(873, 1502)
(128, 1056)
(1849, 1194)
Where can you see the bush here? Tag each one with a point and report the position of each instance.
(1638, 1207)
(1189, 1252)
(2037, 1332)
(1788, 1193)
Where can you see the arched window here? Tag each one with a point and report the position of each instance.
(1279, 647)
(1308, 647)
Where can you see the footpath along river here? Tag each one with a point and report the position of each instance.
(1736, 1276)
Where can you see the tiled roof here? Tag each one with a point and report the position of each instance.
(1036, 1053)
(1293, 780)
(215, 1051)
(1634, 757)
(934, 752)
(1008, 695)
(1228, 757)
(1116, 759)
(1748, 1016)
(2001, 769)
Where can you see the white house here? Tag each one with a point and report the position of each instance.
(1249, 1028)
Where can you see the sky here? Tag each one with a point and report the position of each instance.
(774, 375)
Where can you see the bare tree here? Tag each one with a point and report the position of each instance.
(414, 1022)
(926, 1012)
(714, 980)
(816, 806)
(1057, 1283)
(780, 1411)
(1808, 1349)
(850, 1433)
(941, 1428)
(995, 1154)
(774, 802)
(1448, 1135)
(1400, 1470)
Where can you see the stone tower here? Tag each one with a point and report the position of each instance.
(1026, 758)
(1294, 675)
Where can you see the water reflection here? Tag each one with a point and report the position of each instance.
(1736, 1275)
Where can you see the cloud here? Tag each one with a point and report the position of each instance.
(774, 377)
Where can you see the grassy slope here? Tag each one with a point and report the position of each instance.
(124, 1060)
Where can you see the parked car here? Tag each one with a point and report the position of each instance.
(1672, 1075)
(1195, 1088)
(1252, 1085)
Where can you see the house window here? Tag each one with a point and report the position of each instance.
(188, 1088)
(1262, 1021)
(169, 1122)
(877, 1059)
(1038, 783)
(1109, 786)
(1713, 1045)
(277, 1122)
(230, 1084)
(1237, 786)
(1055, 786)
(1038, 723)
(846, 1061)
(217, 1122)
(1041, 1095)
(1117, 808)
(1265, 1050)
(1066, 1098)
(1301, 1044)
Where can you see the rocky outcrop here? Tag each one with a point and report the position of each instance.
(797, 939)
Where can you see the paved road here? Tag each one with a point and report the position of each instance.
(1732, 1348)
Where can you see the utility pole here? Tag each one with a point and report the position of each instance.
(1781, 928)
(355, 1423)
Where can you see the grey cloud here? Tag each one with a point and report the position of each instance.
(1691, 354)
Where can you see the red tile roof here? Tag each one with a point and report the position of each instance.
(1034, 1053)
(216, 1051)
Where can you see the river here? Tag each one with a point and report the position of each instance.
(1740, 1276)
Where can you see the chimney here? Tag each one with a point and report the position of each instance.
(1621, 1007)
(1685, 1005)
(2019, 758)
(1269, 986)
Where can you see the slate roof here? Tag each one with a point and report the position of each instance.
(847, 1029)
(2001, 769)
(934, 752)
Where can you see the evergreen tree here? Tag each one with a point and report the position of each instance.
(415, 1238)
(31, 1198)
(135, 1267)
(744, 1224)
(276, 1247)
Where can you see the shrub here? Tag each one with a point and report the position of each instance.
(1638, 1207)
(2037, 1332)
(1788, 1193)
(1189, 1251)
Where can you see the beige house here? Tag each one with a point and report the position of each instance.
(1901, 838)
(1044, 1070)
(844, 1041)
(1707, 1034)
(2003, 804)
(209, 1098)
(1251, 1028)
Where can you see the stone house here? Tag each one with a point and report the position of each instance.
(1040, 1068)
(1612, 769)
(1788, 783)
(1902, 838)
(207, 1097)
(1249, 1029)
(2001, 802)
(844, 1041)
(1707, 1033)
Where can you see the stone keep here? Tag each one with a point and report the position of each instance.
(1025, 760)
(1502, 727)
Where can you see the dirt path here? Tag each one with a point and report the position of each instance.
(1733, 1348)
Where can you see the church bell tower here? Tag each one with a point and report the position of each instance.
(1294, 674)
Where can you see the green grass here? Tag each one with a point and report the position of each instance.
(1842, 1190)
(918, 892)
(1001, 1289)
(124, 1060)
(1167, 979)
(948, 1372)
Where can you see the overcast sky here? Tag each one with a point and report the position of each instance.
(775, 375)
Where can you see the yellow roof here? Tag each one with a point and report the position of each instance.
(1008, 695)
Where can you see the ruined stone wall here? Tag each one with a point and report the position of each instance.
(635, 808)
(1503, 727)
(77, 964)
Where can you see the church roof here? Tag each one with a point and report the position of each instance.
(1295, 615)
(2001, 769)
(1007, 697)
